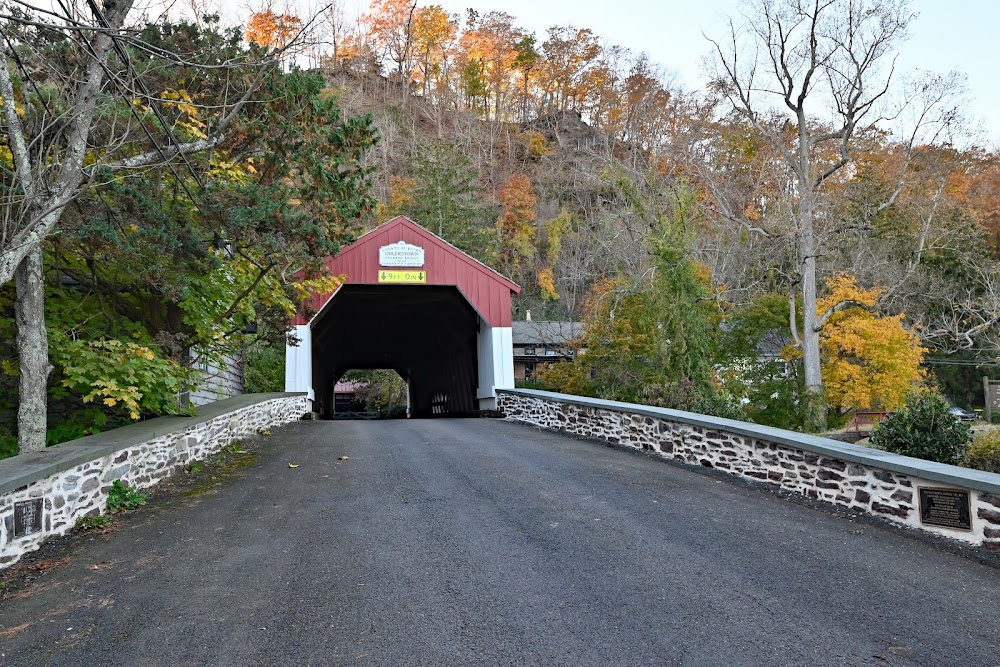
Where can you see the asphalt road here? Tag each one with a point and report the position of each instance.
(478, 542)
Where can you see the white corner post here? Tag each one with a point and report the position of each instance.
(298, 364)
(496, 363)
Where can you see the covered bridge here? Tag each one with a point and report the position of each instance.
(416, 304)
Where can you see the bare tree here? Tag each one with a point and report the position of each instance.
(813, 78)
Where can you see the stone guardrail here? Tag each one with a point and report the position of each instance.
(958, 503)
(42, 494)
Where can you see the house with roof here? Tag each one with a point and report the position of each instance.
(538, 342)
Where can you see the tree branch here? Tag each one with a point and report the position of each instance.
(836, 308)
(15, 130)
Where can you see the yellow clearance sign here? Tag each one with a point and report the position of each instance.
(411, 276)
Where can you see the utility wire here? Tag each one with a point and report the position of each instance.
(135, 114)
(962, 362)
(123, 54)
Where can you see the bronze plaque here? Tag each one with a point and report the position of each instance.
(28, 517)
(948, 508)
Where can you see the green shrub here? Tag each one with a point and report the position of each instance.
(984, 453)
(263, 369)
(96, 522)
(720, 405)
(924, 430)
(772, 392)
(122, 498)
(87, 422)
(8, 445)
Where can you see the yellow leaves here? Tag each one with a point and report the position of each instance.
(555, 230)
(534, 142)
(869, 361)
(321, 285)
(119, 374)
(194, 129)
(181, 100)
(229, 171)
(295, 202)
(703, 273)
(842, 288)
(547, 283)
(433, 31)
(184, 102)
(18, 107)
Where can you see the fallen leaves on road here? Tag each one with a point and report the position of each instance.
(48, 564)
(343, 458)
(10, 632)
(293, 465)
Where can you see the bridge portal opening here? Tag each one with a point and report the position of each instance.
(411, 303)
(427, 334)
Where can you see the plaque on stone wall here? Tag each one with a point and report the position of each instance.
(948, 508)
(27, 517)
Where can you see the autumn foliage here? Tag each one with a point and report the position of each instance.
(870, 361)
(517, 221)
(271, 30)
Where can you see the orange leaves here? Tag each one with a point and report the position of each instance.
(391, 25)
(568, 53)
(518, 198)
(272, 30)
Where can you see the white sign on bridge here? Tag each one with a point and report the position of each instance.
(401, 254)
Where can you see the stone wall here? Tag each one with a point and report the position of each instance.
(853, 477)
(72, 479)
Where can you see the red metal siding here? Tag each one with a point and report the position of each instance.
(488, 291)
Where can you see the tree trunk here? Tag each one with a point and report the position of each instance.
(33, 352)
(815, 405)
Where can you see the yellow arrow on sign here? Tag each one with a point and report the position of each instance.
(414, 276)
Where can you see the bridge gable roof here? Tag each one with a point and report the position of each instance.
(487, 290)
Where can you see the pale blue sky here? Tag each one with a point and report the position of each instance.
(948, 35)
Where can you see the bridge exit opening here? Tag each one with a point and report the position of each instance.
(370, 394)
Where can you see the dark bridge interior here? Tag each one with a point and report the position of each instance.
(426, 333)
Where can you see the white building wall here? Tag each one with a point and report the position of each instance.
(496, 363)
(219, 379)
(298, 364)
